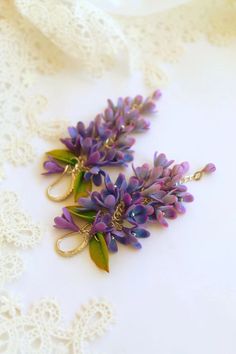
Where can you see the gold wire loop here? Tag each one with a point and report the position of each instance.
(69, 170)
(83, 233)
(70, 188)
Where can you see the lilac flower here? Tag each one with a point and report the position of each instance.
(106, 141)
(65, 221)
(153, 194)
(209, 168)
(119, 215)
(96, 174)
(162, 189)
(52, 166)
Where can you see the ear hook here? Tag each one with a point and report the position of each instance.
(73, 171)
(84, 233)
(59, 198)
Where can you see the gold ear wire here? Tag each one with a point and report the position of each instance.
(73, 171)
(59, 198)
(84, 233)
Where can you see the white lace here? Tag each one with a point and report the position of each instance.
(40, 38)
(16, 231)
(40, 330)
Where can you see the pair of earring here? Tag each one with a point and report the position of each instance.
(118, 212)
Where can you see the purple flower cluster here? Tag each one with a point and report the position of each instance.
(124, 207)
(107, 141)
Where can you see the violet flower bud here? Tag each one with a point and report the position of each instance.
(209, 168)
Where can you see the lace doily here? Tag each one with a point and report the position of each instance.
(17, 231)
(40, 330)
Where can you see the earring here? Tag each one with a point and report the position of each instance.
(105, 142)
(119, 212)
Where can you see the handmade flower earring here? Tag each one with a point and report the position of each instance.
(119, 211)
(105, 142)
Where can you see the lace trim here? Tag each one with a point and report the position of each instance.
(160, 38)
(17, 231)
(40, 332)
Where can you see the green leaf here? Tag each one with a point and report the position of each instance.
(63, 155)
(81, 187)
(88, 215)
(99, 252)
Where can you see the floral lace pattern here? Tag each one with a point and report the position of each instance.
(214, 19)
(17, 231)
(40, 331)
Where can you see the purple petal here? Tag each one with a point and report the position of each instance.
(87, 203)
(99, 227)
(156, 173)
(169, 212)
(127, 199)
(180, 208)
(138, 99)
(132, 241)
(187, 198)
(68, 143)
(67, 215)
(156, 94)
(109, 114)
(151, 190)
(121, 181)
(106, 219)
(97, 180)
(185, 166)
(140, 233)
(125, 141)
(138, 214)
(110, 201)
(93, 158)
(149, 210)
(73, 132)
(52, 167)
(148, 107)
(128, 157)
(111, 243)
(133, 184)
(161, 219)
(169, 199)
(142, 172)
(62, 223)
(80, 128)
(86, 144)
(209, 168)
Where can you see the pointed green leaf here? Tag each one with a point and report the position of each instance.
(88, 215)
(99, 252)
(63, 155)
(81, 187)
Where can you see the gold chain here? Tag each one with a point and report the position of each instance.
(195, 177)
(117, 216)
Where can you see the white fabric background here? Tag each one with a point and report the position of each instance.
(137, 7)
(177, 295)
